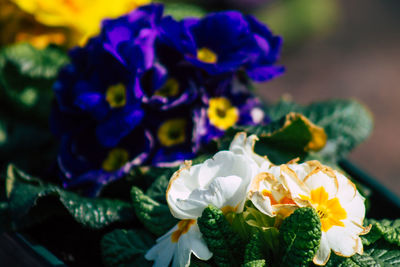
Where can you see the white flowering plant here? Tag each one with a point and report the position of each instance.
(166, 158)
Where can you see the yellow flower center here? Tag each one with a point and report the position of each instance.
(206, 55)
(330, 211)
(221, 113)
(183, 228)
(172, 132)
(116, 95)
(115, 159)
(170, 88)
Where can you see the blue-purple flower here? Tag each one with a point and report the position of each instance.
(149, 90)
(225, 42)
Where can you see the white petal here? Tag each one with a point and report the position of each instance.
(192, 190)
(342, 242)
(163, 251)
(244, 145)
(347, 190)
(324, 251)
(321, 179)
(192, 241)
(292, 183)
(262, 204)
(355, 209)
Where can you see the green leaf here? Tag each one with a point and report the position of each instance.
(300, 236)
(284, 139)
(182, 10)
(379, 254)
(155, 216)
(26, 145)
(30, 201)
(26, 78)
(126, 248)
(346, 123)
(226, 246)
(253, 256)
(386, 229)
(158, 188)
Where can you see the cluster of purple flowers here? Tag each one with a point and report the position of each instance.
(150, 90)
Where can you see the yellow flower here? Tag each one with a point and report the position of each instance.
(82, 17)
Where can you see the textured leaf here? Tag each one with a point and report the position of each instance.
(386, 229)
(126, 248)
(223, 242)
(379, 254)
(31, 200)
(346, 122)
(154, 215)
(300, 236)
(284, 139)
(253, 256)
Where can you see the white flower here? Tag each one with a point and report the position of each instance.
(244, 145)
(335, 198)
(222, 181)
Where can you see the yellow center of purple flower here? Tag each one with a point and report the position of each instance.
(221, 113)
(206, 55)
(116, 95)
(115, 159)
(170, 88)
(172, 132)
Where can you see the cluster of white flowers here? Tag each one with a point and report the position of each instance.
(231, 177)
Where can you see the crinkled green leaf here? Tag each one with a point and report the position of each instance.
(226, 246)
(379, 254)
(30, 200)
(253, 255)
(284, 139)
(386, 229)
(126, 248)
(155, 216)
(300, 236)
(346, 122)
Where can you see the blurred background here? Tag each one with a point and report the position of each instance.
(332, 49)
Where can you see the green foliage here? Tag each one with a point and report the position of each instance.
(182, 10)
(346, 123)
(154, 215)
(126, 248)
(223, 242)
(300, 236)
(285, 138)
(253, 256)
(379, 254)
(30, 201)
(386, 229)
(158, 188)
(26, 78)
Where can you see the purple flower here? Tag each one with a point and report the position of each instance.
(223, 43)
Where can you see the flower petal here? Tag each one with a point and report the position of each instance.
(324, 251)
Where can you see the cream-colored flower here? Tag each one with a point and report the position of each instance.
(335, 198)
(222, 181)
